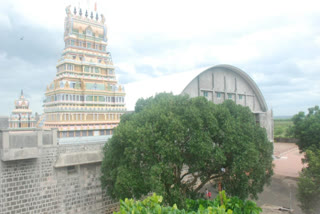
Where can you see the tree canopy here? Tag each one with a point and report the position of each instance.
(307, 130)
(174, 145)
(309, 183)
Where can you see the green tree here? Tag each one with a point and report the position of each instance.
(309, 183)
(173, 145)
(306, 129)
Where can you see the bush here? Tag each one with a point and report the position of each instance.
(235, 204)
(152, 205)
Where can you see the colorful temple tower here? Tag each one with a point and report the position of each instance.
(21, 117)
(84, 99)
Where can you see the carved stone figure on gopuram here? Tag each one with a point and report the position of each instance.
(78, 101)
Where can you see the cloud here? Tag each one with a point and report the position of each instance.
(277, 45)
(27, 60)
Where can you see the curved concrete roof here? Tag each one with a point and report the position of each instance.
(244, 75)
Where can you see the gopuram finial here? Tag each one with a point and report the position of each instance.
(97, 17)
(102, 19)
(91, 15)
(80, 12)
(75, 11)
(86, 14)
(21, 92)
(68, 11)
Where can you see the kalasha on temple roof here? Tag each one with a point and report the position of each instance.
(84, 99)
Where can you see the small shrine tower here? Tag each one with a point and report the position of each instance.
(21, 117)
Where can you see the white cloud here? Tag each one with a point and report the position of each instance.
(276, 42)
(4, 21)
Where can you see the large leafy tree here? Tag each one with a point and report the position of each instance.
(174, 145)
(307, 130)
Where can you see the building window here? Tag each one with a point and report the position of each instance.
(205, 94)
(240, 96)
(88, 45)
(218, 94)
(72, 42)
(86, 68)
(64, 134)
(229, 96)
(77, 134)
(70, 67)
(71, 134)
(80, 44)
(89, 32)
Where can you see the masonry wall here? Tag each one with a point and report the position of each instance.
(35, 185)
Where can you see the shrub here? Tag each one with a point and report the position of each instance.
(152, 205)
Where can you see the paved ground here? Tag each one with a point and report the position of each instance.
(281, 193)
(288, 159)
(283, 188)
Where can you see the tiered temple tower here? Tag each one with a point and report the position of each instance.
(21, 117)
(84, 99)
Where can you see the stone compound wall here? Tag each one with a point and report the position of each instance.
(39, 185)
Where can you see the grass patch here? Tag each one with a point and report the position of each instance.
(281, 128)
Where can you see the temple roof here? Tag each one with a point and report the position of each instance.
(21, 102)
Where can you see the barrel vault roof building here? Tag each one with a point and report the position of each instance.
(222, 82)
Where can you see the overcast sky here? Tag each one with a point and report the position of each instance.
(276, 42)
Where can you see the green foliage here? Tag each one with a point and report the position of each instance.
(309, 183)
(282, 128)
(153, 204)
(234, 204)
(169, 138)
(307, 128)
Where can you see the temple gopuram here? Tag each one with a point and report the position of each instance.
(21, 117)
(84, 99)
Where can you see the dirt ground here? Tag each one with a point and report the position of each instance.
(283, 188)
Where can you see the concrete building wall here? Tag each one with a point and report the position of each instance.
(56, 179)
(4, 122)
(223, 82)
